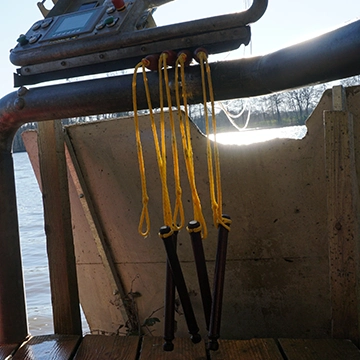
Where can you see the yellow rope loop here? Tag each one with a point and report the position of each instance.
(144, 218)
(194, 230)
(178, 208)
(225, 222)
(186, 141)
(216, 201)
(167, 235)
(160, 149)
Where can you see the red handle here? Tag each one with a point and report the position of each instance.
(119, 4)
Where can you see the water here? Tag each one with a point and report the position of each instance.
(33, 247)
(32, 234)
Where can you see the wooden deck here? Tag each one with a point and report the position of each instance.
(99, 347)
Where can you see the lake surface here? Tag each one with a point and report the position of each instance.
(32, 234)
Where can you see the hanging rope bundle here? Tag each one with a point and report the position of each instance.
(186, 142)
(161, 63)
(215, 194)
(170, 216)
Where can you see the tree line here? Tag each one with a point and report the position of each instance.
(281, 109)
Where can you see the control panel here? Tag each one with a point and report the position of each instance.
(83, 37)
(64, 27)
(91, 19)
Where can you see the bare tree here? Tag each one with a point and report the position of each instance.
(303, 101)
(275, 102)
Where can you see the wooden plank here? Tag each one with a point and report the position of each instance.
(319, 349)
(254, 349)
(13, 322)
(58, 228)
(95, 226)
(7, 350)
(184, 349)
(48, 347)
(343, 221)
(102, 347)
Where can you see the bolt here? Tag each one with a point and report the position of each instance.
(19, 103)
(22, 91)
(63, 63)
(27, 70)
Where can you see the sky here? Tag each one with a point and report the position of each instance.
(285, 22)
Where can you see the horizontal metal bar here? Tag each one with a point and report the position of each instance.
(329, 57)
(125, 58)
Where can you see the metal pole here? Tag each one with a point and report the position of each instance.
(200, 262)
(180, 284)
(218, 290)
(169, 313)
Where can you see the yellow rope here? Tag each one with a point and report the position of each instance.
(215, 196)
(144, 218)
(178, 209)
(170, 218)
(186, 142)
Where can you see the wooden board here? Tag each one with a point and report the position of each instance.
(343, 234)
(6, 350)
(184, 349)
(254, 349)
(103, 347)
(48, 347)
(319, 349)
(58, 229)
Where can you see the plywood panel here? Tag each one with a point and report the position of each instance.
(274, 193)
(319, 349)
